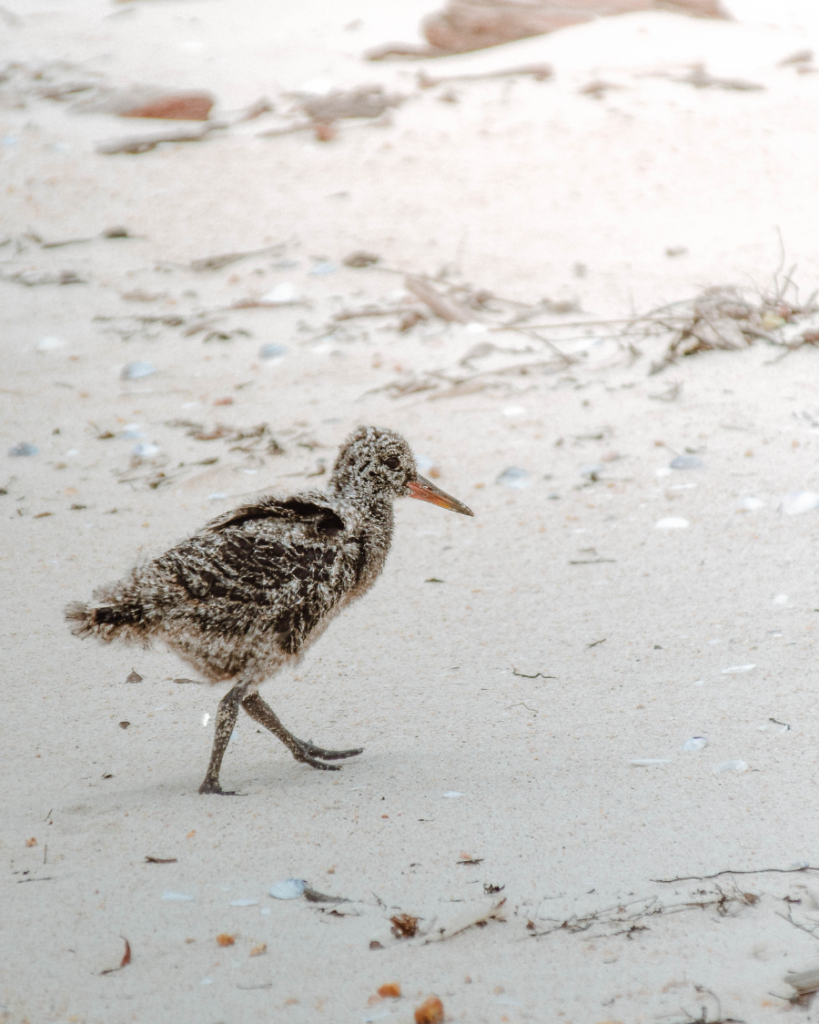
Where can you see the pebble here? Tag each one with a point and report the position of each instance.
(695, 743)
(797, 502)
(23, 448)
(672, 523)
(134, 371)
(686, 462)
(271, 351)
(289, 889)
(322, 268)
(131, 432)
(731, 766)
(514, 477)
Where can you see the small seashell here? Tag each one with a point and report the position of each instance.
(731, 766)
(452, 794)
(797, 502)
(514, 477)
(686, 462)
(244, 903)
(134, 371)
(178, 896)
(672, 523)
(733, 670)
(289, 889)
(695, 743)
(648, 762)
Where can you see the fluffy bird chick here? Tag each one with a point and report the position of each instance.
(259, 584)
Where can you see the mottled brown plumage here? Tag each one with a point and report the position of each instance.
(260, 583)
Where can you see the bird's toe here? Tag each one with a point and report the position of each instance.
(306, 758)
(329, 755)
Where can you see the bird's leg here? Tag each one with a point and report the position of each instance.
(302, 750)
(225, 721)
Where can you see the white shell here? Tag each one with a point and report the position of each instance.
(283, 293)
(289, 889)
(797, 502)
(695, 743)
(750, 504)
(179, 896)
(647, 762)
(672, 523)
(731, 766)
(733, 670)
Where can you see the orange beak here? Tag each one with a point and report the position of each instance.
(425, 490)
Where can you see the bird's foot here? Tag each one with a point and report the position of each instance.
(305, 758)
(212, 786)
(328, 755)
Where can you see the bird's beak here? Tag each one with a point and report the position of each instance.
(425, 490)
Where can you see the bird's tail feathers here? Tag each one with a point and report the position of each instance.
(118, 615)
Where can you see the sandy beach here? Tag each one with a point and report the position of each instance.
(588, 713)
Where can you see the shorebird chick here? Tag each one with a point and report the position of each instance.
(259, 584)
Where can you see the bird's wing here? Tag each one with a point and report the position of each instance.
(307, 510)
(280, 564)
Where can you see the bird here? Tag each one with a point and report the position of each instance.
(258, 585)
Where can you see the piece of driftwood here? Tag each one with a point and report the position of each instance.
(441, 305)
(466, 25)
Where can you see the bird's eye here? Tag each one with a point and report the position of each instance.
(391, 463)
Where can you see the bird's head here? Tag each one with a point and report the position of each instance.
(378, 462)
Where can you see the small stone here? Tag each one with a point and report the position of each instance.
(134, 371)
(431, 1011)
(23, 449)
(686, 462)
(182, 106)
(272, 351)
(289, 889)
(514, 477)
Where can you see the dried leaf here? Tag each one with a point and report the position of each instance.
(404, 926)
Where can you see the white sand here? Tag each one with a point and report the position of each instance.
(515, 183)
